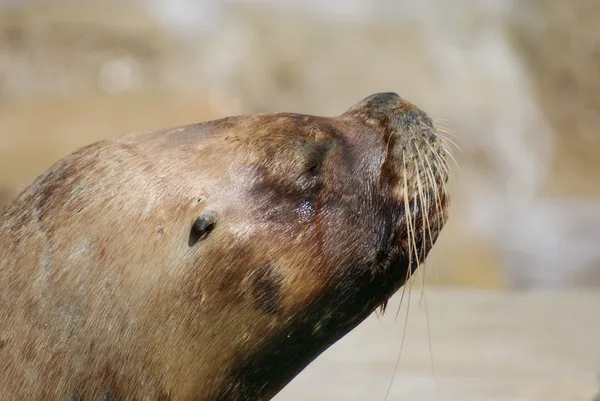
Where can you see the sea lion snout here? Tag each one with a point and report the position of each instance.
(414, 153)
(414, 169)
(396, 118)
(378, 104)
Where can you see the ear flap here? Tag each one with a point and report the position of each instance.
(202, 227)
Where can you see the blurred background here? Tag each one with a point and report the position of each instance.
(518, 82)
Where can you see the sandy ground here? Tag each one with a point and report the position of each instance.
(482, 345)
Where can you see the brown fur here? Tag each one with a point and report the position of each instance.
(104, 295)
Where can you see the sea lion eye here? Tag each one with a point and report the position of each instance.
(202, 227)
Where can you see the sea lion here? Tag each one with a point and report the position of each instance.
(213, 261)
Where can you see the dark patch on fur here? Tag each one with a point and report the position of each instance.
(353, 297)
(202, 227)
(115, 384)
(265, 287)
(278, 195)
(163, 396)
(77, 396)
(107, 395)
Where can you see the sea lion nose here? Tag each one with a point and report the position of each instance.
(377, 105)
(384, 102)
(392, 112)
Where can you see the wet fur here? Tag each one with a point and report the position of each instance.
(106, 295)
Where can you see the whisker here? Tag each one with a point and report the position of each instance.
(441, 162)
(424, 211)
(429, 171)
(452, 157)
(408, 276)
(406, 217)
(387, 394)
(437, 201)
(407, 210)
(430, 346)
(446, 134)
(440, 123)
(437, 205)
(448, 141)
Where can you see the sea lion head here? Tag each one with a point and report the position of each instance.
(214, 261)
(351, 205)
